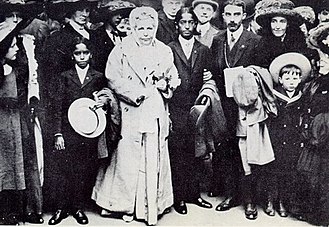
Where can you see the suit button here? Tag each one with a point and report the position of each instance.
(126, 109)
(284, 126)
(87, 77)
(284, 143)
(130, 77)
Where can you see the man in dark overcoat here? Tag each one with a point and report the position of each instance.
(191, 59)
(232, 48)
(166, 29)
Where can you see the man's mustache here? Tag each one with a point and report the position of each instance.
(232, 24)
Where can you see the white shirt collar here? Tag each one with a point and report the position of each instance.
(82, 73)
(203, 28)
(80, 29)
(236, 34)
(187, 45)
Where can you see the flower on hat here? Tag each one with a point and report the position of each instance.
(307, 13)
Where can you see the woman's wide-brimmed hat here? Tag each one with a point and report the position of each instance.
(213, 3)
(87, 117)
(8, 31)
(307, 13)
(267, 9)
(108, 8)
(26, 8)
(318, 38)
(58, 9)
(291, 58)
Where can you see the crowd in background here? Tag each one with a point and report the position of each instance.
(131, 107)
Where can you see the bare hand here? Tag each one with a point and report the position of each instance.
(59, 143)
(161, 85)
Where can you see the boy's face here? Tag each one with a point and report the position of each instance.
(233, 17)
(186, 26)
(204, 12)
(289, 81)
(81, 55)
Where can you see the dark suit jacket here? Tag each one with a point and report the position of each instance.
(166, 32)
(69, 88)
(191, 75)
(242, 54)
(104, 46)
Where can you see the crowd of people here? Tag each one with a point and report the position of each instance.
(131, 107)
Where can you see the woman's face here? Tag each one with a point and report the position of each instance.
(279, 26)
(81, 55)
(12, 51)
(145, 31)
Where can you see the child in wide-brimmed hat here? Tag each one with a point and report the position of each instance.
(288, 71)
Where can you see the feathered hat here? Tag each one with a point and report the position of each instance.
(267, 9)
(26, 8)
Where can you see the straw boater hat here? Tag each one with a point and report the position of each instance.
(213, 3)
(87, 117)
(267, 9)
(318, 38)
(27, 8)
(291, 58)
(108, 8)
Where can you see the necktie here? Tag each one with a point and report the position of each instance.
(232, 41)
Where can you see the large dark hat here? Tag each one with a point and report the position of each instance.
(109, 8)
(27, 8)
(58, 9)
(267, 9)
(250, 8)
(8, 32)
(318, 38)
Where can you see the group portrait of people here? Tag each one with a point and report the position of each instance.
(134, 108)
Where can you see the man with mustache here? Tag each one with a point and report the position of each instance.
(232, 48)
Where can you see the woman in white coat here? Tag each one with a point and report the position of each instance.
(142, 74)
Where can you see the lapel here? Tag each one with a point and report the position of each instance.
(241, 46)
(179, 50)
(221, 48)
(195, 52)
(73, 75)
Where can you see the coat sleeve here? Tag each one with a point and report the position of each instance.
(117, 81)
(57, 103)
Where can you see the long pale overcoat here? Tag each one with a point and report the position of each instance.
(129, 70)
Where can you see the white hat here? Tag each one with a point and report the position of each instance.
(291, 58)
(213, 3)
(87, 117)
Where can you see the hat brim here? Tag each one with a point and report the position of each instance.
(264, 18)
(103, 14)
(315, 33)
(291, 58)
(29, 9)
(59, 10)
(215, 5)
(79, 126)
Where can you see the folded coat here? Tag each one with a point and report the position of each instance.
(209, 120)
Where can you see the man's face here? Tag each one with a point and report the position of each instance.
(323, 16)
(171, 7)
(279, 26)
(233, 17)
(186, 26)
(80, 16)
(204, 12)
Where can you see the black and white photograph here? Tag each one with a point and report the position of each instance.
(164, 112)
